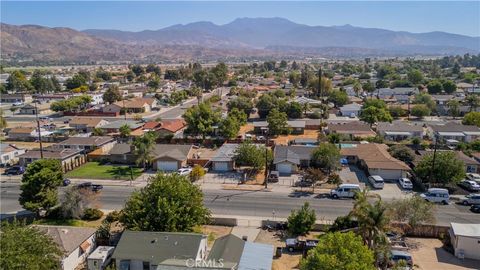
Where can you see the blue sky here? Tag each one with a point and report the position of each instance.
(453, 17)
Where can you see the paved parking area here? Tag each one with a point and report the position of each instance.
(222, 178)
(352, 175)
(392, 191)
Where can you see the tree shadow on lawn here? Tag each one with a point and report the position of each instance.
(122, 172)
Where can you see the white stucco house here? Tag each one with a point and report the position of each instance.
(351, 110)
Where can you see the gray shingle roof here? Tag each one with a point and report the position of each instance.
(399, 126)
(225, 152)
(66, 237)
(157, 247)
(119, 123)
(94, 140)
(454, 127)
(175, 151)
(292, 153)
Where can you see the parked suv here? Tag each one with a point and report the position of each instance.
(436, 195)
(469, 185)
(471, 199)
(15, 170)
(345, 191)
(376, 181)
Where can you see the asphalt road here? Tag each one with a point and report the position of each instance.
(244, 203)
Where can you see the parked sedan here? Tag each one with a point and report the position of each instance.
(90, 186)
(474, 177)
(471, 199)
(184, 171)
(405, 183)
(470, 185)
(475, 208)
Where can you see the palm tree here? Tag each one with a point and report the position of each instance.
(473, 101)
(125, 131)
(144, 148)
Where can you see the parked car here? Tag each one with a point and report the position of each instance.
(303, 183)
(376, 181)
(398, 255)
(436, 195)
(66, 182)
(15, 170)
(405, 183)
(90, 186)
(475, 208)
(471, 199)
(474, 177)
(17, 104)
(469, 185)
(300, 244)
(184, 171)
(273, 176)
(345, 191)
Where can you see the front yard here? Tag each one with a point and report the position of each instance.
(93, 170)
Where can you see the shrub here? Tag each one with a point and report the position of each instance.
(113, 216)
(301, 221)
(197, 173)
(92, 214)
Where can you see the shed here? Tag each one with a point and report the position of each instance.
(465, 239)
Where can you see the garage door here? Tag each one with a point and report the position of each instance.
(388, 174)
(284, 168)
(167, 166)
(220, 166)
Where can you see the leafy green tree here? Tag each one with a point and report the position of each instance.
(39, 185)
(40, 83)
(449, 86)
(144, 146)
(112, 94)
(294, 110)
(18, 82)
(397, 111)
(339, 98)
(294, 78)
(435, 87)
(374, 115)
(368, 86)
(3, 121)
(197, 173)
(412, 210)
(415, 76)
(339, 251)
(402, 152)
(420, 110)
(200, 119)
(326, 156)
(169, 203)
(229, 127)
(473, 101)
(453, 108)
(300, 222)
(277, 122)
(137, 69)
(26, 247)
(98, 132)
(76, 81)
(472, 118)
(73, 104)
(424, 98)
(377, 103)
(448, 169)
(125, 131)
(154, 83)
(239, 115)
(315, 176)
(241, 103)
(250, 155)
(265, 104)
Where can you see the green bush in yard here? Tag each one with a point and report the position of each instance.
(92, 214)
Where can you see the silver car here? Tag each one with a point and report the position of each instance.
(405, 183)
(471, 199)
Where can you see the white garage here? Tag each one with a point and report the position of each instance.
(284, 168)
(220, 166)
(388, 174)
(167, 166)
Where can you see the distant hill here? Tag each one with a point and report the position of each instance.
(242, 38)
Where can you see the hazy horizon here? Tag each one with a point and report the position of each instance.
(139, 16)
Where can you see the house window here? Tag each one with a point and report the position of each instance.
(146, 265)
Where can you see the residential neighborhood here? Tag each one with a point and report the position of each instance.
(273, 161)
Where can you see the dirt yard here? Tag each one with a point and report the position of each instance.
(27, 145)
(284, 139)
(428, 254)
(215, 232)
(245, 129)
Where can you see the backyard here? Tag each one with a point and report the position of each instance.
(94, 170)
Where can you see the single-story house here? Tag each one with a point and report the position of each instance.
(138, 250)
(27, 133)
(287, 159)
(14, 98)
(9, 154)
(76, 243)
(351, 129)
(304, 100)
(223, 159)
(52, 97)
(465, 239)
(86, 124)
(400, 130)
(87, 144)
(376, 160)
(352, 109)
(114, 127)
(295, 126)
(172, 127)
(471, 164)
(166, 157)
(235, 253)
(69, 158)
(151, 126)
(454, 132)
(134, 105)
(30, 109)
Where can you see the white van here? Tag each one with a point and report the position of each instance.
(345, 191)
(376, 181)
(436, 195)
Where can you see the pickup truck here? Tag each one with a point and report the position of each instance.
(90, 186)
(300, 244)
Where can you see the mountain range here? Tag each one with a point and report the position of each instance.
(242, 37)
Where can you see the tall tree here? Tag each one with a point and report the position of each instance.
(25, 247)
(229, 127)
(402, 152)
(201, 119)
(448, 169)
(144, 146)
(339, 251)
(415, 76)
(473, 101)
(301, 221)
(39, 185)
(112, 94)
(250, 155)
(326, 156)
(472, 118)
(374, 115)
(338, 97)
(420, 110)
(277, 122)
(18, 82)
(169, 203)
(453, 108)
(125, 131)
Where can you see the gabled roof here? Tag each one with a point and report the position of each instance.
(51, 153)
(173, 125)
(175, 151)
(356, 127)
(117, 124)
(292, 153)
(469, 230)
(87, 121)
(151, 125)
(454, 127)
(6, 148)
(91, 141)
(135, 102)
(351, 107)
(68, 238)
(225, 152)
(376, 156)
(399, 126)
(157, 247)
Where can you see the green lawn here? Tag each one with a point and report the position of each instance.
(93, 170)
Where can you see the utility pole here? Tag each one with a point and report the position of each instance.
(320, 93)
(38, 129)
(124, 110)
(266, 159)
(432, 173)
